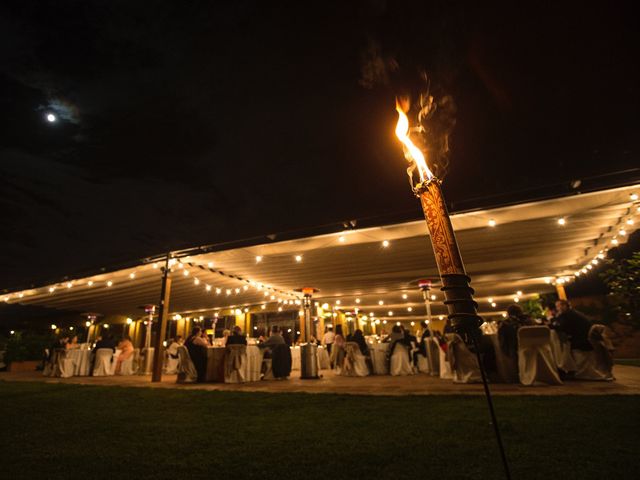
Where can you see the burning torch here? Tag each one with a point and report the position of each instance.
(458, 293)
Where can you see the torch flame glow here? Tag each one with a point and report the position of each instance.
(402, 132)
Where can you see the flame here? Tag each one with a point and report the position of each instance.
(413, 152)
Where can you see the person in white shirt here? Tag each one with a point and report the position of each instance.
(172, 349)
(328, 339)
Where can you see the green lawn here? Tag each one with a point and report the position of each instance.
(66, 431)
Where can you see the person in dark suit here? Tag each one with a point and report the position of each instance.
(106, 342)
(236, 337)
(574, 325)
(197, 348)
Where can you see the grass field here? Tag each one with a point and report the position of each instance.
(65, 431)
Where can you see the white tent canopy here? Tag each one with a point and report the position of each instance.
(525, 249)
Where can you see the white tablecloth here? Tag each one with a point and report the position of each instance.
(253, 365)
(445, 366)
(378, 353)
(81, 358)
(295, 358)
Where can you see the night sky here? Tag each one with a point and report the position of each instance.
(189, 123)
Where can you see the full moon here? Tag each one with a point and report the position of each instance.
(51, 117)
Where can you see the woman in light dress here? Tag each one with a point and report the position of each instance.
(126, 348)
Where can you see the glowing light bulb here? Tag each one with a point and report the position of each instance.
(129, 321)
(155, 265)
(196, 281)
(237, 290)
(385, 243)
(52, 289)
(87, 323)
(490, 300)
(357, 300)
(433, 297)
(584, 270)
(633, 196)
(208, 288)
(338, 302)
(132, 276)
(409, 309)
(210, 264)
(630, 221)
(404, 296)
(562, 221)
(589, 267)
(390, 312)
(263, 307)
(519, 293)
(228, 291)
(245, 288)
(594, 261)
(622, 232)
(53, 326)
(380, 302)
(298, 258)
(109, 283)
(279, 309)
(51, 117)
(90, 282)
(185, 273)
(384, 322)
(258, 258)
(69, 284)
(615, 241)
(218, 291)
(516, 299)
(492, 222)
(341, 239)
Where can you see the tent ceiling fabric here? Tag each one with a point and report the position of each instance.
(526, 246)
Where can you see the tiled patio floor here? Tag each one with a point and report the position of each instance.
(627, 383)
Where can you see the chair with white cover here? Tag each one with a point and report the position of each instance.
(400, 363)
(536, 363)
(171, 365)
(464, 363)
(63, 366)
(355, 363)
(596, 364)
(102, 365)
(187, 371)
(234, 359)
(126, 367)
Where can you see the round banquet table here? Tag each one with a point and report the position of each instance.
(253, 366)
(81, 359)
(445, 366)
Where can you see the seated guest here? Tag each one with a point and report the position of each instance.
(225, 335)
(197, 348)
(574, 325)
(127, 352)
(508, 330)
(358, 337)
(205, 337)
(396, 334)
(236, 337)
(105, 341)
(172, 349)
(424, 338)
(72, 343)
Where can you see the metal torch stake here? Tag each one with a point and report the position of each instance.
(456, 284)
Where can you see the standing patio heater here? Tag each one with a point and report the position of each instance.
(147, 351)
(308, 351)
